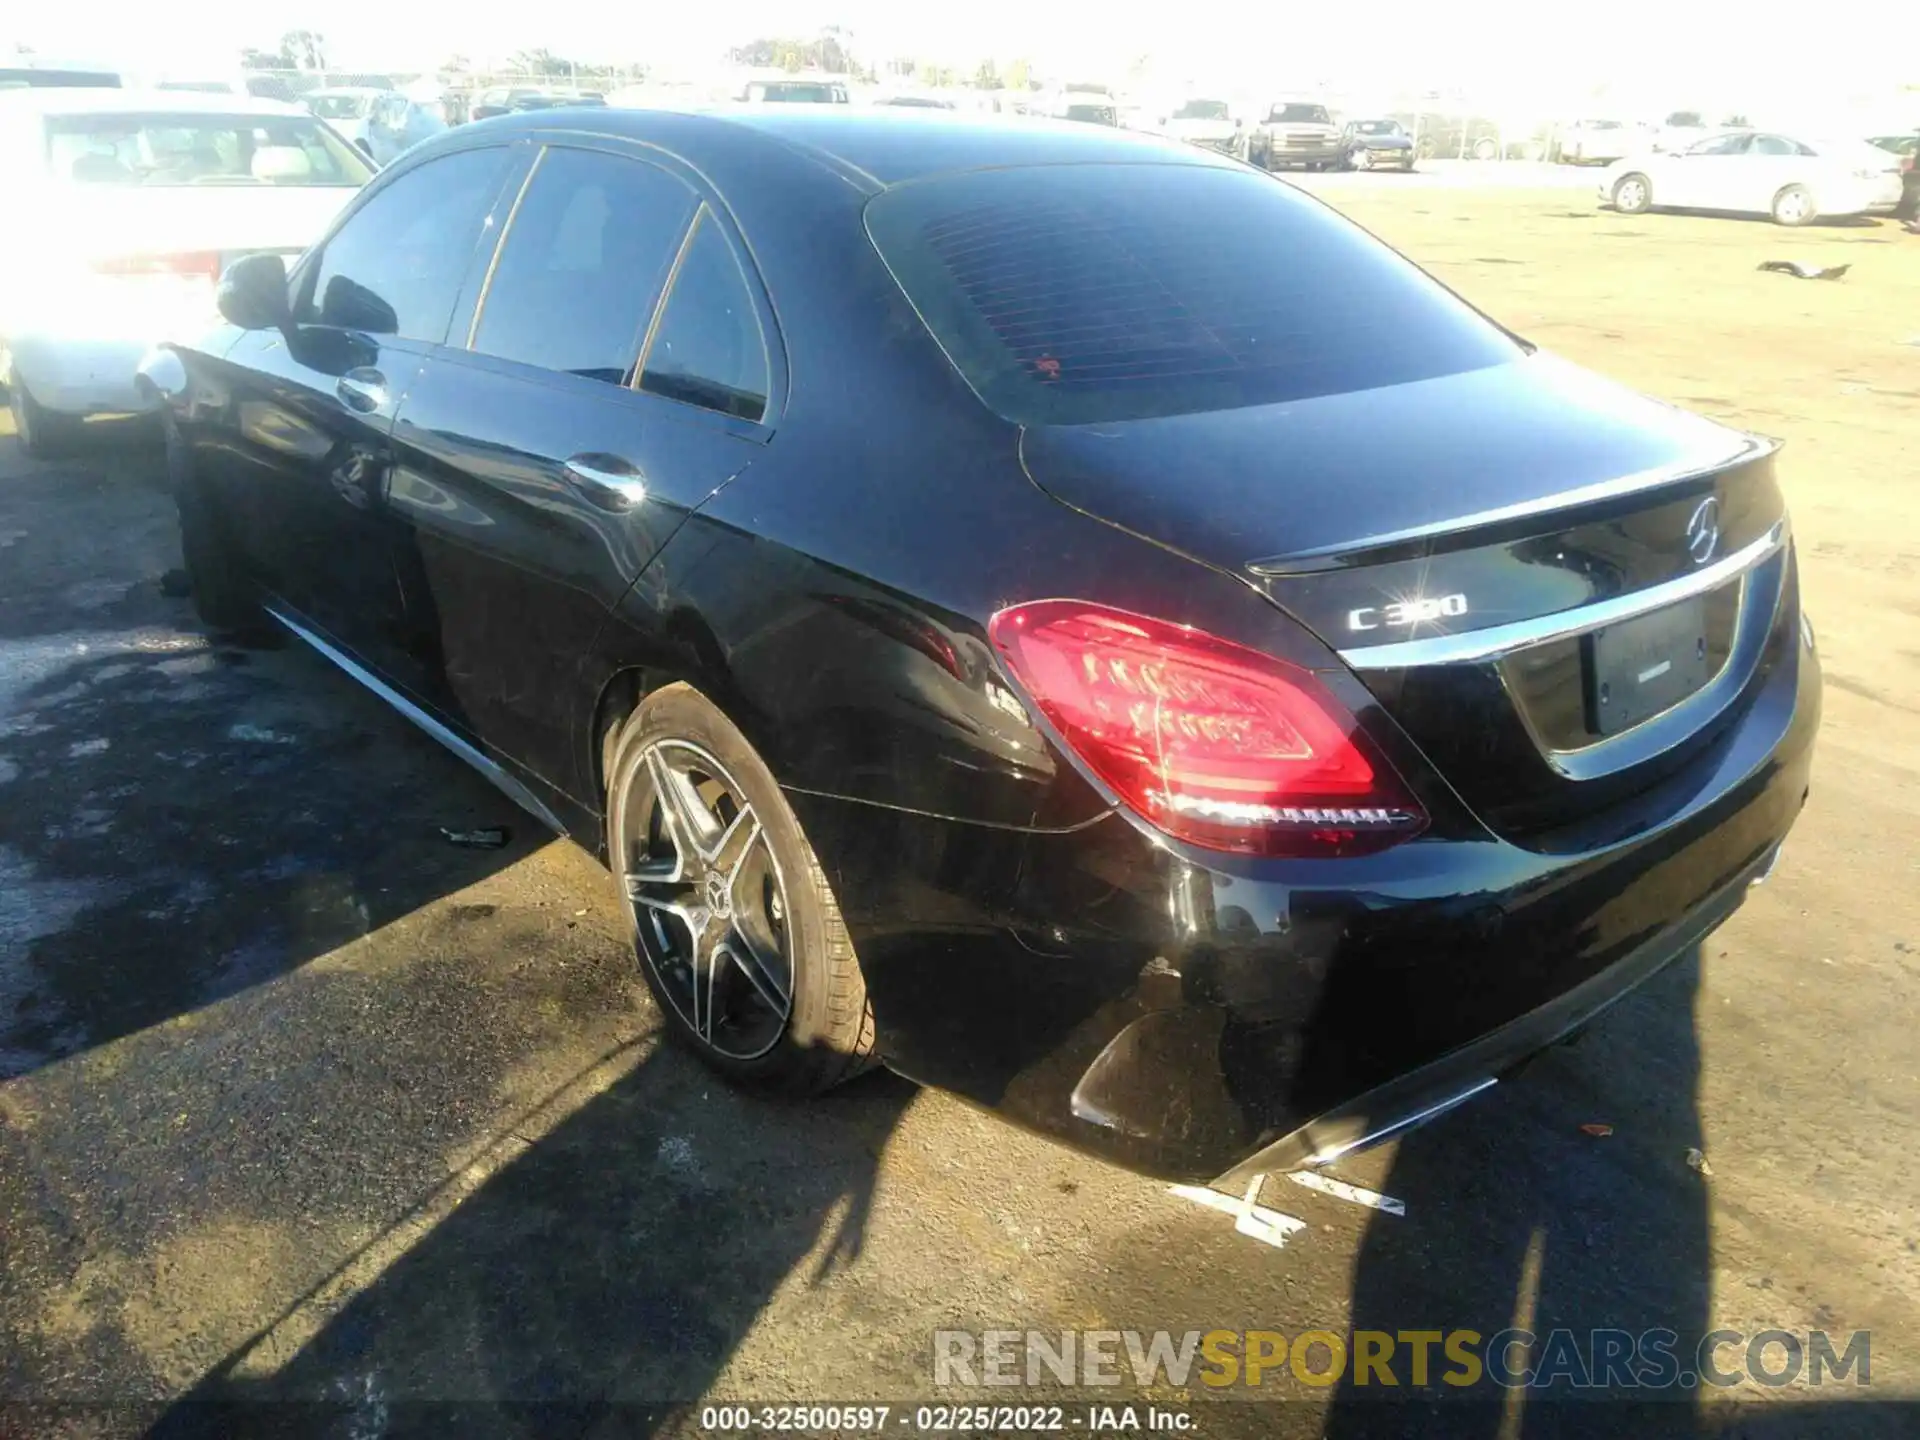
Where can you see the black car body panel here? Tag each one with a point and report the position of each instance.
(1383, 141)
(827, 571)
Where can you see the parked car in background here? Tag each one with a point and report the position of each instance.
(1756, 172)
(140, 201)
(26, 73)
(795, 92)
(653, 95)
(1375, 145)
(1907, 147)
(1441, 135)
(383, 123)
(1210, 124)
(264, 87)
(1591, 142)
(1086, 104)
(1084, 109)
(1681, 130)
(1280, 702)
(518, 99)
(1296, 133)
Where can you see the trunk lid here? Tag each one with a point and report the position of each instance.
(230, 219)
(1558, 588)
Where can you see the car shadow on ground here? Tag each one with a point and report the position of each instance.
(181, 819)
(597, 1283)
(1524, 1216)
(1521, 1220)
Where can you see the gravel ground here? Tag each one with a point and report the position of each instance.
(301, 1104)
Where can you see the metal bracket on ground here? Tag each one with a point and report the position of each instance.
(1325, 1184)
(1250, 1218)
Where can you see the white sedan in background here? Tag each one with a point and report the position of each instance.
(139, 200)
(1586, 142)
(1755, 172)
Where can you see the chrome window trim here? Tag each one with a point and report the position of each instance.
(1498, 640)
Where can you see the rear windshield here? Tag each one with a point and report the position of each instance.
(1202, 110)
(1378, 127)
(340, 107)
(1092, 114)
(182, 149)
(1080, 293)
(1299, 115)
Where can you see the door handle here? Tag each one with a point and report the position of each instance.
(363, 390)
(606, 481)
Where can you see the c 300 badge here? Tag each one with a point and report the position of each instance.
(1403, 613)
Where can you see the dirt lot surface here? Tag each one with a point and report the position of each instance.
(300, 1103)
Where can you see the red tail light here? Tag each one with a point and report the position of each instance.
(202, 264)
(1212, 742)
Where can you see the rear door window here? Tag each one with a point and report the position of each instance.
(708, 349)
(395, 267)
(1082, 293)
(169, 149)
(582, 264)
(1722, 145)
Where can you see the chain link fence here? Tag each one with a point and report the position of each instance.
(454, 93)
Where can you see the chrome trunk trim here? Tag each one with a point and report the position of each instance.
(1498, 640)
(1754, 447)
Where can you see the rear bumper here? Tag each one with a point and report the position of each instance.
(1201, 1018)
(80, 375)
(1279, 152)
(1421, 1095)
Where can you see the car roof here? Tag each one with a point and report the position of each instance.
(884, 144)
(58, 65)
(52, 100)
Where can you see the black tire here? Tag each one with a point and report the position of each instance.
(43, 433)
(224, 597)
(1628, 199)
(1794, 206)
(827, 1036)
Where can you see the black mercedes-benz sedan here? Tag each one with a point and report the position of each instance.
(1056, 612)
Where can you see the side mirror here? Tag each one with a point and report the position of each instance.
(253, 293)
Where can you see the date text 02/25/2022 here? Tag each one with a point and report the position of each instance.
(944, 1419)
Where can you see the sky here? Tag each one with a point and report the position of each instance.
(1678, 55)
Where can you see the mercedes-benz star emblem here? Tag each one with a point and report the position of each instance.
(1703, 530)
(714, 892)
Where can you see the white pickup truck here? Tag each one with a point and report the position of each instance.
(1297, 132)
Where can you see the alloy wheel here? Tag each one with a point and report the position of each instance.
(1793, 206)
(709, 902)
